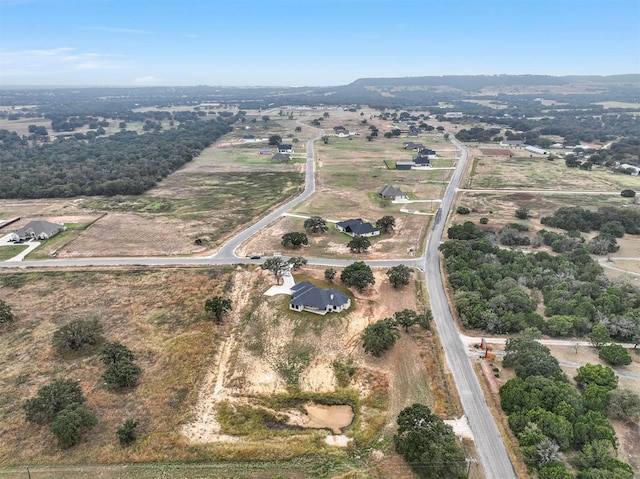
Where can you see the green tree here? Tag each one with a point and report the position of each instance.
(315, 225)
(325, 139)
(277, 266)
(51, 399)
(77, 335)
(463, 210)
(265, 118)
(596, 374)
(379, 336)
(127, 432)
(596, 398)
(71, 423)
(522, 213)
(297, 262)
(294, 240)
(359, 244)
(330, 274)
(357, 275)
(554, 471)
(406, 318)
(428, 445)
(546, 452)
(599, 335)
(275, 139)
(386, 223)
(6, 315)
(399, 275)
(615, 354)
(115, 352)
(121, 375)
(623, 405)
(217, 307)
(591, 426)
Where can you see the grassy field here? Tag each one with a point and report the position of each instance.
(9, 251)
(525, 172)
(159, 314)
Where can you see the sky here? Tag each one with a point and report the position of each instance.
(309, 43)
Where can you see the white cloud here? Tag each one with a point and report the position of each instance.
(146, 80)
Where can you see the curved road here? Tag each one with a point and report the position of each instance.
(488, 440)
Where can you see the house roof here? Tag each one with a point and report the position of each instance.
(248, 137)
(265, 150)
(426, 152)
(422, 160)
(284, 146)
(306, 294)
(39, 227)
(357, 226)
(388, 190)
(412, 146)
(339, 128)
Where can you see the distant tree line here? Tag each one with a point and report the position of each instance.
(122, 164)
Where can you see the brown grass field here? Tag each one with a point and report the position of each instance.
(159, 315)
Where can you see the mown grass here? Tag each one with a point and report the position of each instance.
(9, 251)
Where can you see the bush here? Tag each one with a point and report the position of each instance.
(51, 399)
(121, 374)
(79, 334)
(6, 316)
(484, 220)
(522, 213)
(127, 432)
(70, 423)
(615, 354)
(463, 210)
(379, 336)
(627, 193)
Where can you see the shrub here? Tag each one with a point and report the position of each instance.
(627, 193)
(121, 374)
(484, 220)
(127, 432)
(615, 354)
(463, 210)
(70, 423)
(6, 316)
(79, 334)
(51, 399)
(522, 213)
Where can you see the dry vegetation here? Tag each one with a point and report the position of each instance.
(203, 384)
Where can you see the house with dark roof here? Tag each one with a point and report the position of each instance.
(422, 161)
(413, 146)
(511, 143)
(281, 157)
(357, 227)
(307, 297)
(389, 192)
(339, 128)
(404, 165)
(41, 230)
(285, 148)
(426, 152)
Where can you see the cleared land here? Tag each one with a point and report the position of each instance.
(349, 171)
(208, 392)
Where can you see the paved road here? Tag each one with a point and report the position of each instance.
(487, 438)
(488, 441)
(227, 252)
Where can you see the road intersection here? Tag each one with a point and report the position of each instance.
(488, 441)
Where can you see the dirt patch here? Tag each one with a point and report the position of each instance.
(495, 152)
(320, 416)
(127, 234)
